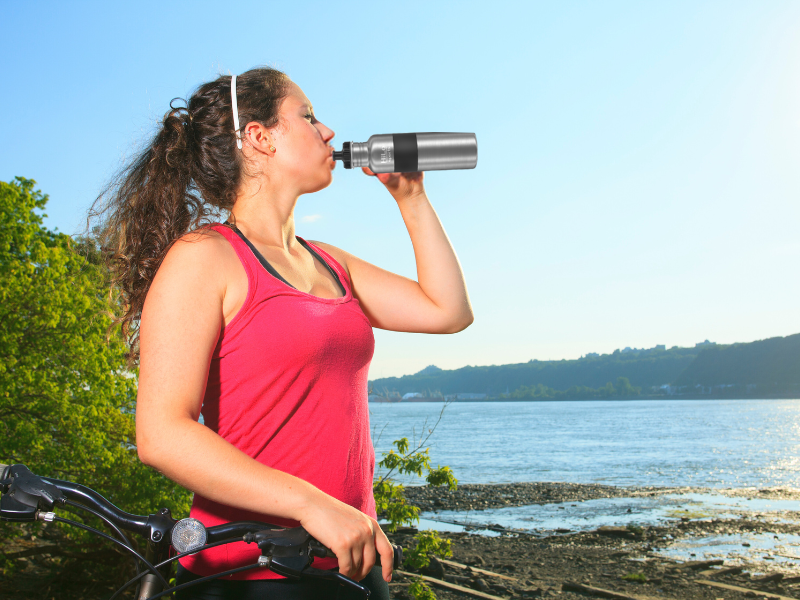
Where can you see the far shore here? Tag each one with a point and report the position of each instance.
(792, 396)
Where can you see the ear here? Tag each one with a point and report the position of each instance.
(257, 136)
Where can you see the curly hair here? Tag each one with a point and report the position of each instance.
(188, 174)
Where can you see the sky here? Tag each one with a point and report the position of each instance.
(638, 180)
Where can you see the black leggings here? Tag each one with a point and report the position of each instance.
(278, 589)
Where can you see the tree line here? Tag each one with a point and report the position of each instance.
(763, 368)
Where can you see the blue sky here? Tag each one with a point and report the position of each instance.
(638, 179)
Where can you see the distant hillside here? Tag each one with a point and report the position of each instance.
(775, 361)
(766, 367)
(644, 368)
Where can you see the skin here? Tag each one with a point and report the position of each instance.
(200, 287)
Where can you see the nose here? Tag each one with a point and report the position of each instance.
(326, 132)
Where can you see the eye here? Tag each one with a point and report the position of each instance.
(309, 116)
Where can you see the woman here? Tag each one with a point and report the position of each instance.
(269, 335)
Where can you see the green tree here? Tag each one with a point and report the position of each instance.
(67, 397)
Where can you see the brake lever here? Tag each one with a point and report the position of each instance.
(336, 576)
(26, 495)
(295, 567)
(291, 552)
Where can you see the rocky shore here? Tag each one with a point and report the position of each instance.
(479, 497)
(612, 562)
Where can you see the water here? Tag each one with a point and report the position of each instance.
(704, 443)
(642, 510)
(739, 549)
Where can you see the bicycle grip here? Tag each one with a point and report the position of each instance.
(397, 560)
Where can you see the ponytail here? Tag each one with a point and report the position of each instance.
(183, 180)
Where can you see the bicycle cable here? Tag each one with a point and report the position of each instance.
(107, 522)
(202, 579)
(116, 541)
(169, 560)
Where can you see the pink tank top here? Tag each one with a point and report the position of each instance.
(287, 385)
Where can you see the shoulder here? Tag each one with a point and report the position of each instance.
(343, 258)
(202, 250)
(199, 260)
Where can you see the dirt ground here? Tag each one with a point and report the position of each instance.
(543, 567)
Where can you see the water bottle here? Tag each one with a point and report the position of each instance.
(411, 152)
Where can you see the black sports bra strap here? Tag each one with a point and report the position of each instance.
(271, 270)
(316, 255)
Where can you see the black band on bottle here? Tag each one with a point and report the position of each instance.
(406, 155)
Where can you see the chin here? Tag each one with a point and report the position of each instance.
(325, 182)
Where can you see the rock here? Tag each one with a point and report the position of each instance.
(481, 585)
(434, 569)
(768, 578)
(622, 532)
(474, 559)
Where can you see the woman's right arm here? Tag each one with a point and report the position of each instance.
(180, 325)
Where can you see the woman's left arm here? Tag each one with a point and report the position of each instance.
(438, 301)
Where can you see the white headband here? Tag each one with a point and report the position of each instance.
(235, 105)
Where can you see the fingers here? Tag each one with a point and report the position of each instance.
(345, 564)
(367, 171)
(369, 560)
(387, 554)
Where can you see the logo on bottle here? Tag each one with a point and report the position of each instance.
(386, 154)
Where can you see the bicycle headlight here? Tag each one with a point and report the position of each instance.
(187, 535)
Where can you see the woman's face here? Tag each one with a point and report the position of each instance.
(303, 154)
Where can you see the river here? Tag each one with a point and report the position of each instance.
(706, 443)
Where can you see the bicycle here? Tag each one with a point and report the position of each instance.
(289, 552)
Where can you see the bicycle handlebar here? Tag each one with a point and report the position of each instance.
(28, 497)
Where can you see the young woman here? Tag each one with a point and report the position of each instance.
(266, 334)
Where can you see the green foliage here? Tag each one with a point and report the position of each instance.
(390, 500)
(391, 503)
(427, 543)
(635, 577)
(621, 390)
(635, 528)
(420, 590)
(67, 398)
(441, 476)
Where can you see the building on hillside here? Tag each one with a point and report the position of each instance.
(470, 396)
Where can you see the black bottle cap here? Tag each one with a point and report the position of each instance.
(344, 155)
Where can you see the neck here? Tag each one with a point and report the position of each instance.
(265, 214)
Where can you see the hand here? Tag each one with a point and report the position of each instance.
(400, 185)
(354, 537)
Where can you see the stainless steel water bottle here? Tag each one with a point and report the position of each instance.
(411, 152)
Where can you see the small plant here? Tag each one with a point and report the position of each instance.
(428, 543)
(420, 590)
(635, 577)
(635, 529)
(391, 503)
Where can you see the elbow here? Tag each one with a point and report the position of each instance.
(143, 450)
(461, 323)
(147, 450)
